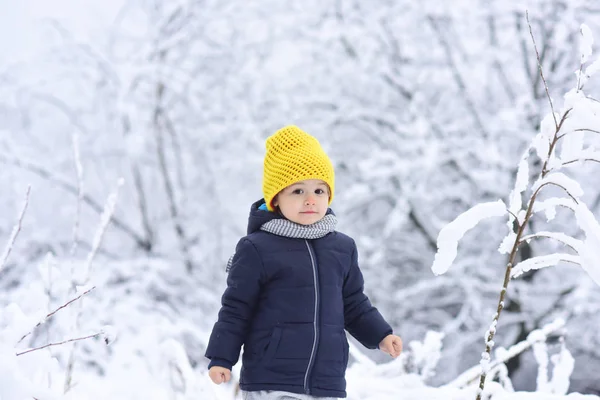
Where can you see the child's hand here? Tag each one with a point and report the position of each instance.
(219, 374)
(392, 345)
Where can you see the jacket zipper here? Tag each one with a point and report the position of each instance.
(315, 325)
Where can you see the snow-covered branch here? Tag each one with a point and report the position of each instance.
(15, 231)
(79, 173)
(545, 144)
(503, 355)
(559, 236)
(539, 262)
(105, 220)
(451, 234)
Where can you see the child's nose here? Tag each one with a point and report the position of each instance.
(310, 200)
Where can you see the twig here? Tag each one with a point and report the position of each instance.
(496, 63)
(65, 184)
(541, 70)
(59, 343)
(180, 170)
(15, 231)
(458, 77)
(515, 217)
(578, 130)
(554, 141)
(470, 375)
(106, 218)
(47, 317)
(581, 159)
(560, 186)
(174, 211)
(580, 69)
(540, 235)
(79, 171)
(138, 184)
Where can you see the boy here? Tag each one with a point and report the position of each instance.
(294, 285)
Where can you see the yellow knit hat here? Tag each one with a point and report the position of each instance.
(293, 156)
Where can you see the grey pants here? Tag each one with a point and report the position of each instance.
(278, 395)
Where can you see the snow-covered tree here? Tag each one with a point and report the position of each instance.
(560, 144)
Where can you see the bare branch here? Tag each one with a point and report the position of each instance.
(549, 235)
(47, 317)
(15, 232)
(578, 130)
(404, 92)
(458, 77)
(178, 151)
(541, 70)
(528, 69)
(69, 187)
(160, 123)
(515, 217)
(560, 186)
(580, 159)
(496, 63)
(59, 343)
(138, 184)
(173, 207)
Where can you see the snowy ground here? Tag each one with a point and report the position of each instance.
(158, 332)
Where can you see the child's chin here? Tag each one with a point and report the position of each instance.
(308, 219)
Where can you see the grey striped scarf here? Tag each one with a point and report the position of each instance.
(287, 228)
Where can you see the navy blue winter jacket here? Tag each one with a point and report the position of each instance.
(288, 302)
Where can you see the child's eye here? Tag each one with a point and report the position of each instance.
(298, 191)
(319, 191)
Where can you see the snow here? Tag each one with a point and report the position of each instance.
(541, 142)
(540, 352)
(585, 45)
(593, 68)
(109, 334)
(452, 233)
(590, 250)
(558, 178)
(520, 184)
(508, 242)
(405, 376)
(538, 262)
(572, 145)
(564, 363)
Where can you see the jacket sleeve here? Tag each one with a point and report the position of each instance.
(361, 319)
(237, 306)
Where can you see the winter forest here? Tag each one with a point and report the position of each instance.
(465, 137)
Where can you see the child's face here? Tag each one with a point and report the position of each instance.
(304, 202)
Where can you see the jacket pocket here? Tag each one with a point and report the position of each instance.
(273, 344)
(345, 349)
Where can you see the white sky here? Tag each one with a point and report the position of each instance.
(21, 22)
